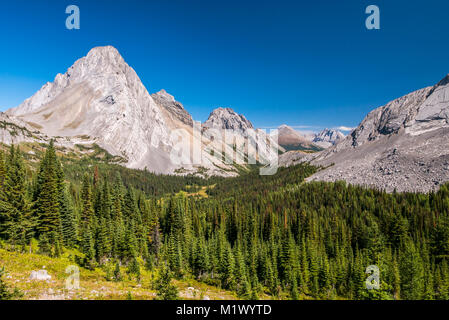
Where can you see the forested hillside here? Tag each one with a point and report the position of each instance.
(253, 235)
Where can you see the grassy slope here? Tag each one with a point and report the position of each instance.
(93, 284)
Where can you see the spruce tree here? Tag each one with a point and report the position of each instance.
(103, 243)
(134, 269)
(412, 273)
(47, 194)
(87, 213)
(2, 175)
(106, 203)
(165, 290)
(88, 248)
(68, 221)
(16, 215)
(117, 272)
(228, 276)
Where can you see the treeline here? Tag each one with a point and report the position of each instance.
(150, 183)
(253, 184)
(255, 236)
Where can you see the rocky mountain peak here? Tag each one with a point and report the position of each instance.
(105, 51)
(400, 146)
(103, 55)
(328, 137)
(226, 118)
(164, 95)
(101, 101)
(99, 60)
(433, 113)
(391, 118)
(173, 107)
(103, 70)
(418, 112)
(102, 97)
(443, 81)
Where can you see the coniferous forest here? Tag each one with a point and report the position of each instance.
(253, 235)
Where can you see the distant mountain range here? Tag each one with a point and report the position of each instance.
(328, 138)
(291, 139)
(100, 101)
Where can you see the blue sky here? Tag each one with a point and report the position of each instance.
(305, 63)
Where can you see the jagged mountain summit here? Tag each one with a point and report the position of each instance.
(101, 100)
(173, 107)
(401, 146)
(101, 97)
(227, 119)
(328, 137)
(236, 133)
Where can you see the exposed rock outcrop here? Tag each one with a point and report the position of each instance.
(14, 131)
(401, 146)
(175, 108)
(328, 137)
(102, 100)
(102, 97)
(227, 119)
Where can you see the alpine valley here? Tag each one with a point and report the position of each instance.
(87, 184)
(101, 103)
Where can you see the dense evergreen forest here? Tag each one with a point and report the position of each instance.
(252, 234)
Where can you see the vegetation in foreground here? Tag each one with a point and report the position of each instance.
(257, 237)
(102, 283)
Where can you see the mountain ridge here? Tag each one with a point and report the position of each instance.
(328, 137)
(227, 119)
(101, 100)
(400, 146)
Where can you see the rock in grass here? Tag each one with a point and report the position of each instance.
(40, 275)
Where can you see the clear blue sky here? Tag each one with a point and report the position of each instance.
(307, 63)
